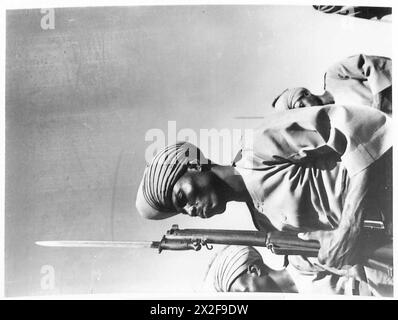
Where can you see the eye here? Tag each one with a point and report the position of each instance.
(181, 199)
(307, 93)
(298, 105)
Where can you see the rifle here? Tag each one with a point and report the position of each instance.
(279, 243)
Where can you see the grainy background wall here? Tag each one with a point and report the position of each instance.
(81, 97)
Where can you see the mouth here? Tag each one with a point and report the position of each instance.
(203, 213)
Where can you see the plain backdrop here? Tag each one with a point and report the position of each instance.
(80, 99)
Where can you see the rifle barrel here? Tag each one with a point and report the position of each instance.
(278, 242)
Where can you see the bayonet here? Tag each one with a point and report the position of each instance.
(99, 244)
(164, 244)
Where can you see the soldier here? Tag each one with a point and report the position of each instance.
(243, 269)
(360, 80)
(320, 171)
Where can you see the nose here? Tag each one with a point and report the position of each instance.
(190, 210)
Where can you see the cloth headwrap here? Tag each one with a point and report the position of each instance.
(168, 165)
(229, 264)
(287, 99)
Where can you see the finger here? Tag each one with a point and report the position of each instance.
(303, 235)
(308, 236)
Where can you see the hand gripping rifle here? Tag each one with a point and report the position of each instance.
(280, 243)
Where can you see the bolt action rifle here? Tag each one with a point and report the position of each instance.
(279, 243)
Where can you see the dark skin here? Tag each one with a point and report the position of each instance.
(260, 278)
(308, 99)
(204, 192)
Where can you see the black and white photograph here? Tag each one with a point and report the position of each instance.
(198, 151)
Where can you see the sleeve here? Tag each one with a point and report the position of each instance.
(367, 132)
(296, 136)
(355, 136)
(373, 69)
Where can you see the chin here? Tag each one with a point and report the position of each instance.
(220, 208)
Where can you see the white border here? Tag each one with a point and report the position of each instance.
(24, 4)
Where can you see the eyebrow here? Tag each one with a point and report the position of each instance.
(298, 99)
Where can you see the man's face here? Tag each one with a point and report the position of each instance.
(306, 99)
(199, 193)
(297, 98)
(251, 282)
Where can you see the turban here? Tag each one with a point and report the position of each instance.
(168, 165)
(287, 99)
(229, 264)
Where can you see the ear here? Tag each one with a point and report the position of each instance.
(254, 270)
(194, 165)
